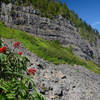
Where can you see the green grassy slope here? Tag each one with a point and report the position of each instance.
(48, 50)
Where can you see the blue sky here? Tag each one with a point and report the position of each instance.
(88, 10)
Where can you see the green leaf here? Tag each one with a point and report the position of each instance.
(2, 97)
(3, 57)
(23, 93)
(10, 96)
(3, 88)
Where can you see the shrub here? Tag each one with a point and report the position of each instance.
(14, 85)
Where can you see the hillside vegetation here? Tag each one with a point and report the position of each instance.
(48, 50)
(14, 84)
(51, 8)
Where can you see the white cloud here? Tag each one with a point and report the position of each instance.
(96, 23)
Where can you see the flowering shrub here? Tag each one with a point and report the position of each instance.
(14, 85)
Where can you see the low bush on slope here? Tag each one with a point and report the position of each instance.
(13, 83)
(48, 50)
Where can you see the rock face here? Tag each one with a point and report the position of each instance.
(59, 28)
(62, 82)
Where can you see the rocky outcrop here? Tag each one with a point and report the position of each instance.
(29, 20)
(62, 82)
